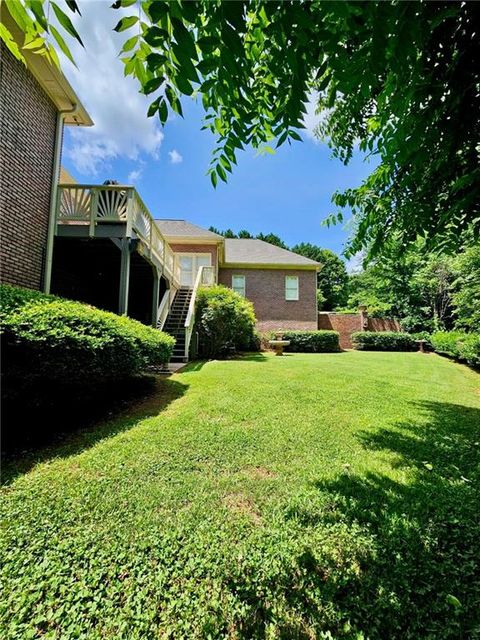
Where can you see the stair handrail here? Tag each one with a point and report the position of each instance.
(163, 309)
(190, 319)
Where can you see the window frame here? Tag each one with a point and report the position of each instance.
(289, 296)
(240, 275)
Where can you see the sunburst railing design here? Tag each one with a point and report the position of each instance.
(94, 205)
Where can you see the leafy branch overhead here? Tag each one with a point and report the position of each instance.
(401, 80)
(36, 26)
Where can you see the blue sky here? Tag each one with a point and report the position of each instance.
(288, 193)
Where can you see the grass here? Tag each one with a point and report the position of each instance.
(313, 496)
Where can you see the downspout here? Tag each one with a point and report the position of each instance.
(52, 218)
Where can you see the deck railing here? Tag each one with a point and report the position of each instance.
(205, 278)
(94, 205)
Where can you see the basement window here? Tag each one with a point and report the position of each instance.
(238, 284)
(291, 287)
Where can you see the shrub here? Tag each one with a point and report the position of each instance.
(312, 341)
(12, 298)
(383, 341)
(423, 335)
(64, 340)
(225, 322)
(458, 344)
(446, 342)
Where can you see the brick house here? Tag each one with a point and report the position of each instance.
(36, 101)
(100, 244)
(281, 284)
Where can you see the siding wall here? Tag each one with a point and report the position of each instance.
(266, 289)
(27, 134)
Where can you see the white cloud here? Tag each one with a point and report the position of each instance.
(175, 157)
(134, 176)
(119, 111)
(355, 263)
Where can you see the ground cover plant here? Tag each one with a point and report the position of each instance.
(309, 496)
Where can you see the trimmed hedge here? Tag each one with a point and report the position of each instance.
(225, 322)
(12, 298)
(63, 340)
(458, 344)
(383, 341)
(312, 341)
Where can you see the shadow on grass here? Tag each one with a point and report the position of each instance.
(66, 420)
(421, 576)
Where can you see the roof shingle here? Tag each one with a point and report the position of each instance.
(184, 229)
(250, 251)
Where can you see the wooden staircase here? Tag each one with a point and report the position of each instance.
(175, 322)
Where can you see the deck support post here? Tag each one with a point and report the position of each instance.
(124, 277)
(155, 296)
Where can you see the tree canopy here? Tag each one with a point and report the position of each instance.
(271, 238)
(400, 80)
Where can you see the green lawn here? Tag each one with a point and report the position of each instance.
(310, 496)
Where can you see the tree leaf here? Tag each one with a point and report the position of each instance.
(125, 23)
(153, 108)
(163, 111)
(157, 10)
(122, 3)
(65, 21)
(37, 9)
(152, 85)
(129, 44)
(155, 61)
(221, 172)
(12, 46)
(61, 43)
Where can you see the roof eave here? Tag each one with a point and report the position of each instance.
(50, 78)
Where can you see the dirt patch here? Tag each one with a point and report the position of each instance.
(243, 505)
(260, 473)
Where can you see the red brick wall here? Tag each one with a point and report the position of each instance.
(266, 289)
(27, 134)
(346, 324)
(383, 324)
(196, 248)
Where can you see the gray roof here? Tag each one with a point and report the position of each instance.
(249, 251)
(184, 229)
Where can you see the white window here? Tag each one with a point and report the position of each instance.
(238, 284)
(291, 287)
(190, 264)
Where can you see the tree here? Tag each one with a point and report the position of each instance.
(272, 238)
(401, 77)
(332, 279)
(415, 286)
(243, 233)
(466, 297)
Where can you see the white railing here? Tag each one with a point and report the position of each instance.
(205, 278)
(163, 309)
(92, 205)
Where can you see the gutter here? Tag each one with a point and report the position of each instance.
(52, 218)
